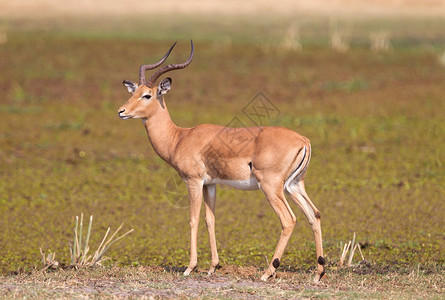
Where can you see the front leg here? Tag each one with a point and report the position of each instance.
(194, 187)
(209, 203)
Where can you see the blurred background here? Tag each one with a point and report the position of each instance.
(364, 80)
(153, 19)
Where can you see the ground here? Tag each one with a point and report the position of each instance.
(229, 282)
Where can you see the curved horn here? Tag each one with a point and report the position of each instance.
(144, 68)
(171, 67)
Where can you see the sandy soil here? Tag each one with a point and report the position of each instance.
(55, 8)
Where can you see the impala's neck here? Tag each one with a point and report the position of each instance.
(162, 133)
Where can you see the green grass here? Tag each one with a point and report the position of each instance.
(375, 121)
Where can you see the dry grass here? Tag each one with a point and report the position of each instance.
(291, 40)
(229, 282)
(441, 58)
(79, 254)
(351, 246)
(380, 41)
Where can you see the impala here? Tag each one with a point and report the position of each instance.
(274, 159)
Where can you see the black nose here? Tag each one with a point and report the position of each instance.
(121, 111)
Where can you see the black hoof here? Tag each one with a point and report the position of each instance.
(276, 263)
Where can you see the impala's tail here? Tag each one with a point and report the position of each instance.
(296, 175)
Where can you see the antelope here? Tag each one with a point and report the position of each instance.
(273, 159)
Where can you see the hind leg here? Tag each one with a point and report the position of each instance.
(298, 194)
(302, 190)
(273, 189)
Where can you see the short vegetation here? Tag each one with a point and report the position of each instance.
(375, 120)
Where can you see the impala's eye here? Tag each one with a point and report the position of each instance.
(146, 96)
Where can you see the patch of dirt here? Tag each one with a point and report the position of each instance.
(152, 282)
(243, 272)
(155, 282)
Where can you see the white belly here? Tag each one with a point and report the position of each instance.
(247, 185)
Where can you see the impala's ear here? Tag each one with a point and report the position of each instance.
(164, 86)
(131, 86)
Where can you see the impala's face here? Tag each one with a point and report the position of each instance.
(144, 101)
